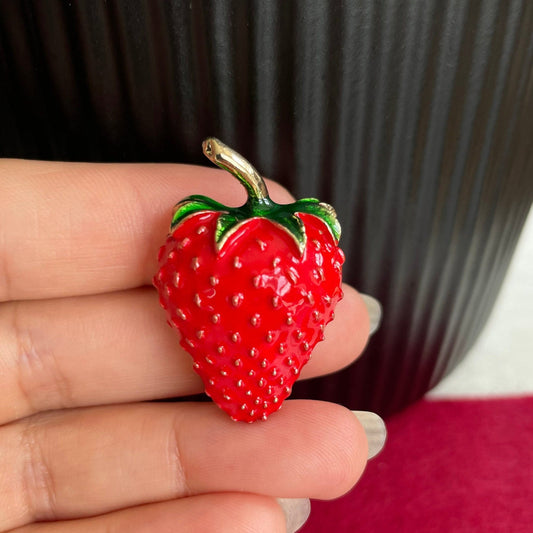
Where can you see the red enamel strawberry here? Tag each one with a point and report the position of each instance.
(250, 289)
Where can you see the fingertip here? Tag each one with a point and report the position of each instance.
(348, 441)
(336, 447)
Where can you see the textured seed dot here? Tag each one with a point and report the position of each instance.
(244, 407)
(251, 373)
(237, 362)
(221, 349)
(336, 266)
(215, 318)
(257, 401)
(275, 399)
(262, 245)
(211, 382)
(256, 281)
(237, 299)
(276, 261)
(316, 314)
(305, 346)
(184, 243)
(167, 290)
(181, 314)
(209, 360)
(226, 397)
(292, 274)
(213, 281)
(236, 337)
(317, 245)
(269, 390)
(287, 390)
(327, 299)
(275, 301)
(252, 412)
(264, 418)
(281, 348)
(240, 383)
(195, 263)
(223, 373)
(254, 352)
(274, 372)
(281, 380)
(255, 320)
(201, 230)
(248, 393)
(269, 336)
(264, 363)
(200, 334)
(177, 279)
(197, 300)
(261, 382)
(190, 343)
(294, 370)
(299, 335)
(289, 361)
(310, 298)
(265, 405)
(196, 365)
(290, 321)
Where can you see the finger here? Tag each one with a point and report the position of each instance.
(223, 513)
(90, 461)
(117, 347)
(80, 228)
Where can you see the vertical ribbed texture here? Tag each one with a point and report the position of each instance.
(413, 117)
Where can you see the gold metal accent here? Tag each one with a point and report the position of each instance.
(228, 159)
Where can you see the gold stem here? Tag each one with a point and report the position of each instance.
(223, 156)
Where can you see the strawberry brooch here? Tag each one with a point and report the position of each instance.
(250, 289)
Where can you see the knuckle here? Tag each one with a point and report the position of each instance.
(175, 459)
(40, 379)
(38, 481)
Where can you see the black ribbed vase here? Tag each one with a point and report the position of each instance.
(413, 118)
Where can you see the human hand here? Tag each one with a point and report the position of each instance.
(84, 346)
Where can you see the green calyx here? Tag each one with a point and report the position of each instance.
(258, 205)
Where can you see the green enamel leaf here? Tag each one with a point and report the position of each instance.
(284, 216)
(226, 224)
(312, 206)
(296, 228)
(194, 204)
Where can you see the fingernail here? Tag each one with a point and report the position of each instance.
(297, 511)
(375, 430)
(375, 312)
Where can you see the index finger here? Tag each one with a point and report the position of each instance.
(82, 228)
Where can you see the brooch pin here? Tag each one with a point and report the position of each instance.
(250, 289)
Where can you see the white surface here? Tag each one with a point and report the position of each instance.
(501, 362)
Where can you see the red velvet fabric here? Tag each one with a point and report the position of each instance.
(448, 467)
